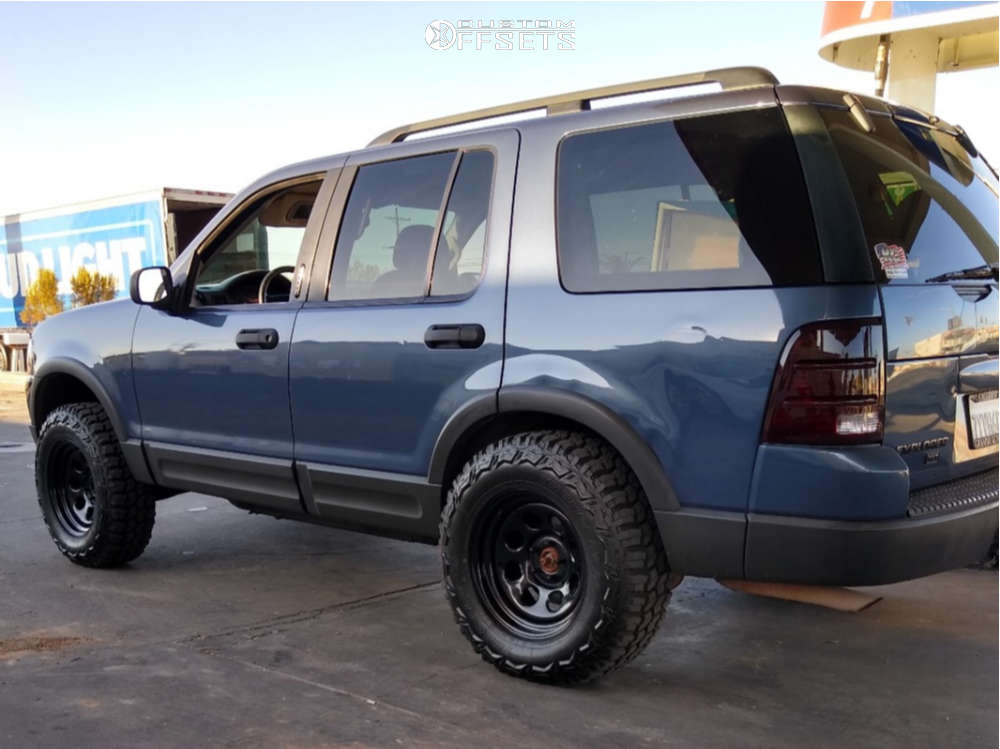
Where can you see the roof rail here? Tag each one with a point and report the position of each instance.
(728, 78)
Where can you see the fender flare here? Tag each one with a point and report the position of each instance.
(79, 371)
(595, 416)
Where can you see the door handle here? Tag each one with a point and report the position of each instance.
(257, 338)
(466, 335)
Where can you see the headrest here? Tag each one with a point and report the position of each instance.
(288, 209)
(412, 246)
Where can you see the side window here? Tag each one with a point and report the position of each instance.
(392, 215)
(460, 254)
(703, 202)
(385, 237)
(265, 238)
(926, 208)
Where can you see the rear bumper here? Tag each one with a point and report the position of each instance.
(935, 529)
(883, 531)
(837, 552)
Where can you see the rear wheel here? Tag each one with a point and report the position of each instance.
(96, 512)
(552, 562)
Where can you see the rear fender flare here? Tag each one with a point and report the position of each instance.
(587, 412)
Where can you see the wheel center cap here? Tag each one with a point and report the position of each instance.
(548, 560)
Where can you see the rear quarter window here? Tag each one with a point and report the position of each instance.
(713, 201)
(926, 206)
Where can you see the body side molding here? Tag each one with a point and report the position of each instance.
(251, 479)
(381, 502)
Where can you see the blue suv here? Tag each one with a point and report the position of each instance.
(750, 334)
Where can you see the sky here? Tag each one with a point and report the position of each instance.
(105, 99)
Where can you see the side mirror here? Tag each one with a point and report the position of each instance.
(151, 285)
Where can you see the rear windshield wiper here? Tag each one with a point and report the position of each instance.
(978, 271)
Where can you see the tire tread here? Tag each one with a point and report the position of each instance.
(130, 505)
(610, 492)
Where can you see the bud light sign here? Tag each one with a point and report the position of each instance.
(116, 240)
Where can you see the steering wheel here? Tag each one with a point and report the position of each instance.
(267, 279)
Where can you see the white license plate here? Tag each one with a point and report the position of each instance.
(982, 411)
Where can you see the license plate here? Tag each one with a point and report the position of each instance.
(982, 413)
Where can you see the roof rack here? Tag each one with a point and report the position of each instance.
(728, 78)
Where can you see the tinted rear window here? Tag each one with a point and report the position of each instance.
(704, 202)
(927, 207)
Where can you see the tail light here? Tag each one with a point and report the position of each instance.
(829, 387)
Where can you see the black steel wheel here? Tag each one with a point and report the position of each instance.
(96, 512)
(71, 489)
(552, 561)
(527, 565)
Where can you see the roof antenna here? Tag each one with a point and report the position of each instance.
(881, 64)
(858, 113)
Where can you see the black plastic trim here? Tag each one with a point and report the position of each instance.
(837, 552)
(84, 375)
(703, 542)
(135, 457)
(474, 412)
(951, 496)
(596, 417)
(249, 479)
(131, 448)
(393, 504)
(606, 424)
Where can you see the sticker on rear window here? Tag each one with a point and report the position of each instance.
(892, 258)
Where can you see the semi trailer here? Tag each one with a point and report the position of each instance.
(115, 235)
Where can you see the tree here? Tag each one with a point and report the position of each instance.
(90, 288)
(42, 298)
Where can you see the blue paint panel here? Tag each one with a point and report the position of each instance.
(118, 240)
(866, 482)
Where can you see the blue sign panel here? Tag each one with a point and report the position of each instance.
(117, 240)
(903, 9)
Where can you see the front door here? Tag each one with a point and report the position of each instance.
(407, 328)
(212, 377)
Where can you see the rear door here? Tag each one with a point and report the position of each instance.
(403, 326)
(929, 211)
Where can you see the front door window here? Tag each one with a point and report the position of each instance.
(266, 238)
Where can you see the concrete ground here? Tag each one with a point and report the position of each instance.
(243, 631)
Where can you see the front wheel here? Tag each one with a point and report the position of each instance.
(96, 512)
(552, 561)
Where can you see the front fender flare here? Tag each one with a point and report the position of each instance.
(82, 373)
